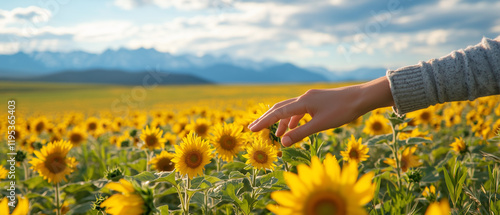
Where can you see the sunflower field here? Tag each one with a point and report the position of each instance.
(196, 159)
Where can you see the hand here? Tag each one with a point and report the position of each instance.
(329, 108)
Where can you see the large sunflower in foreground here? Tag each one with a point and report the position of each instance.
(261, 155)
(127, 202)
(192, 155)
(227, 140)
(152, 138)
(22, 207)
(356, 151)
(324, 189)
(376, 125)
(52, 162)
(408, 160)
(441, 208)
(163, 162)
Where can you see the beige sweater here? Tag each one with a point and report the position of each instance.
(461, 75)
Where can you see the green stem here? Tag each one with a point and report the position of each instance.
(206, 201)
(219, 162)
(147, 159)
(58, 209)
(395, 146)
(186, 196)
(286, 166)
(26, 171)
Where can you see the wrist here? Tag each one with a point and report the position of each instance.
(375, 94)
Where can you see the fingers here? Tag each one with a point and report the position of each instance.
(286, 111)
(282, 126)
(277, 105)
(295, 121)
(300, 133)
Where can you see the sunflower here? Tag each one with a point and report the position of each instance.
(376, 125)
(3, 173)
(414, 133)
(459, 145)
(269, 138)
(356, 151)
(408, 160)
(106, 124)
(261, 155)
(201, 127)
(227, 140)
(324, 189)
(51, 161)
(441, 208)
(22, 207)
(425, 116)
(117, 124)
(152, 138)
(77, 136)
(92, 124)
(451, 116)
(180, 127)
(128, 201)
(192, 155)
(163, 162)
(39, 125)
(168, 117)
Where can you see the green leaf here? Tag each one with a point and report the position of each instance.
(144, 176)
(169, 191)
(449, 184)
(296, 156)
(236, 174)
(379, 139)
(170, 178)
(416, 141)
(235, 165)
(36, 182)
(163, 210)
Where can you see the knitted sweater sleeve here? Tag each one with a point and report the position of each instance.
(461, 75)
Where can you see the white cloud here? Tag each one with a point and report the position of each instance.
(179, 4)
(31, 14)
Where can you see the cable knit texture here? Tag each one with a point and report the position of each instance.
(461, 75)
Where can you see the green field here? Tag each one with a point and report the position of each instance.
(48, 97)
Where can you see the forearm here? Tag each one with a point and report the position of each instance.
(462, 75)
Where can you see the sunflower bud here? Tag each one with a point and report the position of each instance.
(114, 174)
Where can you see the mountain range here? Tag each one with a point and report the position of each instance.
(127, 65)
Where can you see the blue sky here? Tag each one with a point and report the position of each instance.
(335, 34)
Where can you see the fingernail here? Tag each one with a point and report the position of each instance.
(286, 141)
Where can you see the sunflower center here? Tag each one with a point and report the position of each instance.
(165, 164)
(404, 165)
(39, 127)
(260, 157)
(227, 142)
(17, 134)
(75, 138)
(201, 129)
(354, 154)
(325, 203)
(425, 116)
(151, 140)
(193, 159)
(55, 163)
(92, 126)
(377, 126)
